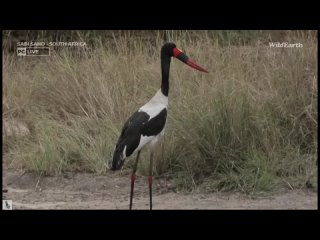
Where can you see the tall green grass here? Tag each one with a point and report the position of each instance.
(248, 125)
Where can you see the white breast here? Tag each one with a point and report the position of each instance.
(155, 105)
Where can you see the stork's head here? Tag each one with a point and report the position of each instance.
(171, 50)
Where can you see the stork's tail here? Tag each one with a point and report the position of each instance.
(118, 157)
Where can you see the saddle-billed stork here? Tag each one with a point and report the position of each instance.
(147, 125)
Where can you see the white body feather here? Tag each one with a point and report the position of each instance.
(156, 104)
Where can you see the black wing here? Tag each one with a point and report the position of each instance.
(138, 124)
(134, 125)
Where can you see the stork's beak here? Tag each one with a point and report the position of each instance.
(184, 58)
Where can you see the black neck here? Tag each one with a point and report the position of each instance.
(165, 70)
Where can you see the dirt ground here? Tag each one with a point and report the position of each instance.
(111, 191)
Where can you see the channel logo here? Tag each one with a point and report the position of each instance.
(33, 51)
